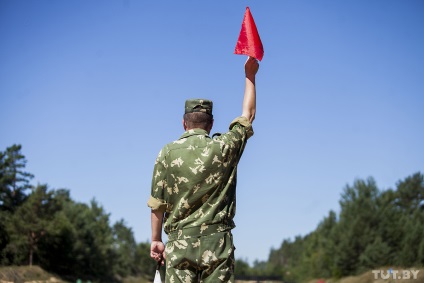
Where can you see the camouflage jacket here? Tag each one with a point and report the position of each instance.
(194, 180)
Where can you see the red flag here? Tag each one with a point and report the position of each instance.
(249, 42)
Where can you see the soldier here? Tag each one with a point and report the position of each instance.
(194, 192)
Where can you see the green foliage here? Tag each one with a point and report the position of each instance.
(410, 194)
(375, 254)
(125, 248)
(14, 182)
(242, 268)
(46, 227)
(31, 221)
(144, 263)
(357, 222)
(374, 228)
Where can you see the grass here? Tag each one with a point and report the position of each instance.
(35, 274)
(21, 274)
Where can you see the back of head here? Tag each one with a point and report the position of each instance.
(198, 120)
(198, 114)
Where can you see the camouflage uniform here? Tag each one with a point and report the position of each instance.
(194, 184)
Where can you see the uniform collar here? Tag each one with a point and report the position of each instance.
(194, 132)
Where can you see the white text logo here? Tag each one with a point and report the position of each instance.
(395, 274)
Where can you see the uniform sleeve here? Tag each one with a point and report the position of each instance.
(244, 123)
(234, 141)
(157, 196)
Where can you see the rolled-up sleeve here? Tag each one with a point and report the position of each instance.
(157, 196)
(234, 141)
(157, 204)
(244, 122)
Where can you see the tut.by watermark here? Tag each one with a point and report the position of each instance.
(396, 274)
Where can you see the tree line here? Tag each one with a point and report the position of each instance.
(44, 226)
(374, 228)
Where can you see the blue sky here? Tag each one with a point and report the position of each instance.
(93, 89)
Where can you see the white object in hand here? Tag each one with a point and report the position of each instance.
(157, 277)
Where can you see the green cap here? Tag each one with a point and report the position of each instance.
(198, 105)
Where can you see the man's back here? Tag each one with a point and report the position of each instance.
(199, 174)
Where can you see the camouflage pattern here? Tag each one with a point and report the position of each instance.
(208, 258)
(198, 105)
(194, 184)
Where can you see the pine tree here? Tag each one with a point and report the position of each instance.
(358, 219)
(14, 181)
(30, 223)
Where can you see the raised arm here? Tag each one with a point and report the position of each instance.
(249, 102)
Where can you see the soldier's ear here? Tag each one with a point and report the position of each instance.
(184, 125)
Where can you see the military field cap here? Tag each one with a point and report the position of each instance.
(198, 105)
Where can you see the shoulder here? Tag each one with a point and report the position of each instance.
(240, 128)
(242, 122)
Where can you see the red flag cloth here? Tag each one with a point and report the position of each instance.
(249, 42)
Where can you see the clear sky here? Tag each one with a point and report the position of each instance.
(93, 89)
